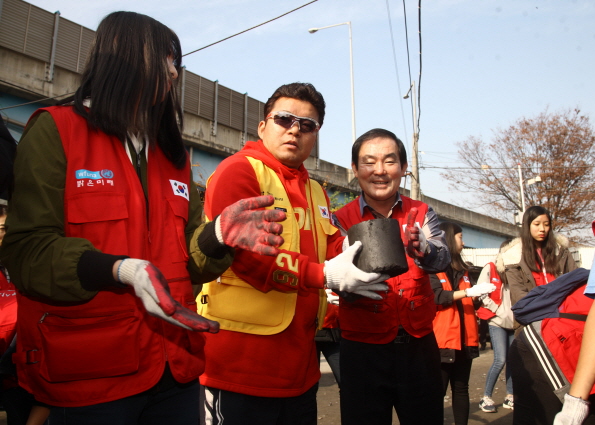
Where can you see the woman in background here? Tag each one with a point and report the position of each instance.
(455, 324)
(537, 257)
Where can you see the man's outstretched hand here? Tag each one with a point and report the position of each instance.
(244, 225)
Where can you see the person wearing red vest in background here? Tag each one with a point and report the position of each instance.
(496, 310)
(537, 257)
(105, 239)
(455, 324)
(389, 355)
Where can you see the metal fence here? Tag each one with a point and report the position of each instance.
(58, 42)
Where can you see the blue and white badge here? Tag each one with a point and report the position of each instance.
(180, 189)
(94, 175)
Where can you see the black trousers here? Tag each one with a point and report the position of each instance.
(534, 401)
(229, 408)
(457, 375)
(375, 378)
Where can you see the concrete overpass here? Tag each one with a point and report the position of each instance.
(43, 54)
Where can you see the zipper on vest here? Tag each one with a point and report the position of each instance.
(43, 317)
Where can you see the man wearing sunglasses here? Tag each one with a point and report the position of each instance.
(262, 367)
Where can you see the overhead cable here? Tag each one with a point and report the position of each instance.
(189, 53)
(392, 39)
(256, 26)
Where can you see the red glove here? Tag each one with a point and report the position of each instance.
(256, 231)
(152, 289)
(413, 239)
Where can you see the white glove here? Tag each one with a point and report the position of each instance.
(480, 289)
(152, 289)
(331, 298)
(574, 411)
(341, 275)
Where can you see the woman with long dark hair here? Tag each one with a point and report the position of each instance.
(534, 259)
(455, 324)
(537, 257)
(105, 239)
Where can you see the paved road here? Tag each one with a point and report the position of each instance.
(328, 397)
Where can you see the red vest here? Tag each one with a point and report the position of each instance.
(409, 301)
(563, 336)
(109, 348)
(496, 296)
(447, 324)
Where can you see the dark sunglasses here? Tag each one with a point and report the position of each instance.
(287, 120)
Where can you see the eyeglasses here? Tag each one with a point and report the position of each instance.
(287, 120)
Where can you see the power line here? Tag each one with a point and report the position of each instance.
(392, 39)
(560, 167)
(249, 29)
(189, 53)
(419, 82)
(408, 57)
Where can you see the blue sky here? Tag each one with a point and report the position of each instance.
(485, 64)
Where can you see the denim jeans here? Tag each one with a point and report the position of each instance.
(501, 339)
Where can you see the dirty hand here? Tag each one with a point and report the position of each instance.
(415, 240)
(331, 298)
(480, 289)
(574, 411)
(152, 289)
(341, 275)
(240, 226)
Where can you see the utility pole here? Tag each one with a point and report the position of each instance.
(415, 187)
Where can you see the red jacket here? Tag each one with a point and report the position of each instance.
(563, 336)
(109, 348)
(409, 301)
(283, 364)
(447, 324)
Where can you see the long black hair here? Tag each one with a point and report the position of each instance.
(530, 245)
(129, 84)
(450, 230)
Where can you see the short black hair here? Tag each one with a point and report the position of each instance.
(128, 81)
(301, 91)
(373, 134)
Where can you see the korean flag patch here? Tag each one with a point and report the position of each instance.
(324, 212)
(180, 189)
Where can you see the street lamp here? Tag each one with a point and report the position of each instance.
(312, 31)
(536, 179)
